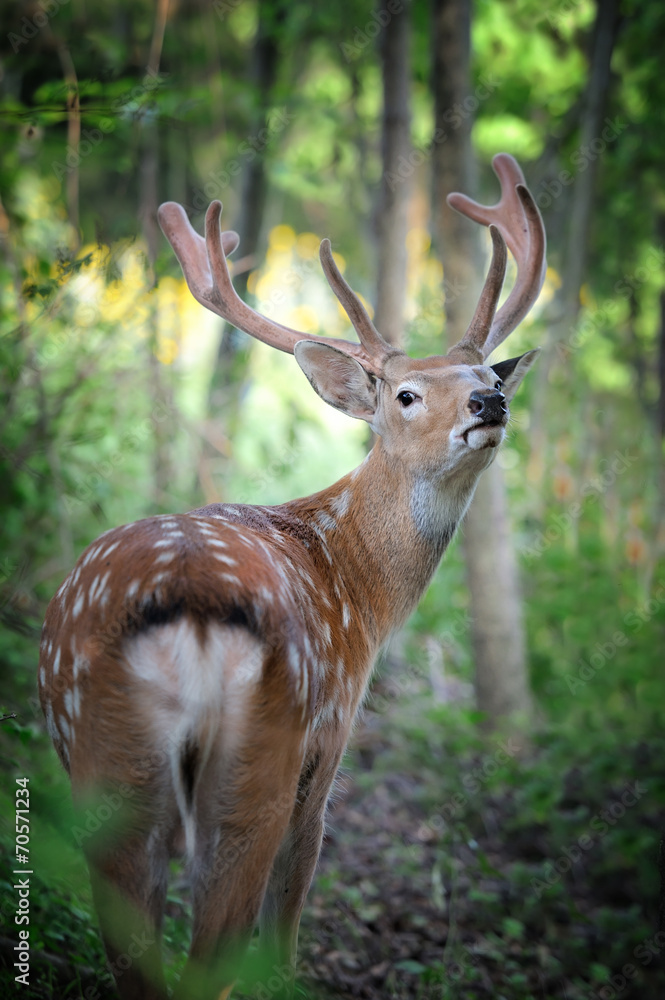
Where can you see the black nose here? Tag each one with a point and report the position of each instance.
(488, 405)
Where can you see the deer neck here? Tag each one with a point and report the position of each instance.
(383, 531)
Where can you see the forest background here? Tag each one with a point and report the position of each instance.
(464, 859)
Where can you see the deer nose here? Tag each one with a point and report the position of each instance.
(488, 405)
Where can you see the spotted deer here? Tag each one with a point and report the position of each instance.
(205, 668)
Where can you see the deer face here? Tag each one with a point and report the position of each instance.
(433, 415)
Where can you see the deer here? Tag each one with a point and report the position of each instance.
(204, 669)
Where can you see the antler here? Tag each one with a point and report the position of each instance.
(519, 224)
(206, 271)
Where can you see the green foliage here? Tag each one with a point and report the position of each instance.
(108, 415)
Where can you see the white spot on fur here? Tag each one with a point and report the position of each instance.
(162, 543)
(68, 700)
(166, 557)
(227, 560)
(56, 662)
(98, 586)
(63, 726)
(132, 588)
(42, 677)
(80, 663)
(218, 543)
(92, 554)
(50, 723)
(346, 616)
(340, 505)
(322, 540)
(110, 550)
(327, 522)
(78, 604)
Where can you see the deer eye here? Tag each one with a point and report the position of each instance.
(406, 398)
(499, 385)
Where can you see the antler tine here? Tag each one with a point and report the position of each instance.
(518, 219)
(476, 335)
(531, 269)
(206, 271)
(204, 265)
(376, 347)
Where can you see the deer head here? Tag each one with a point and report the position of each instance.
(435, 414)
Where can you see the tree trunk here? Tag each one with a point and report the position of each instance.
(254, 189)
(148, 201)
(501, 683)
(566, 305)
(579, 222)
(229, 373)
(392, 219)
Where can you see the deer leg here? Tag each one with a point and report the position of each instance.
(295, 863)
(129, 890)
(121, 784)
(241, 813)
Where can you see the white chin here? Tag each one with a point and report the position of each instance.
(484, 437)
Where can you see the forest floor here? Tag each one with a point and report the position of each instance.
(432, 887)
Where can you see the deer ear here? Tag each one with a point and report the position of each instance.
(512, 372)
(338, 379)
